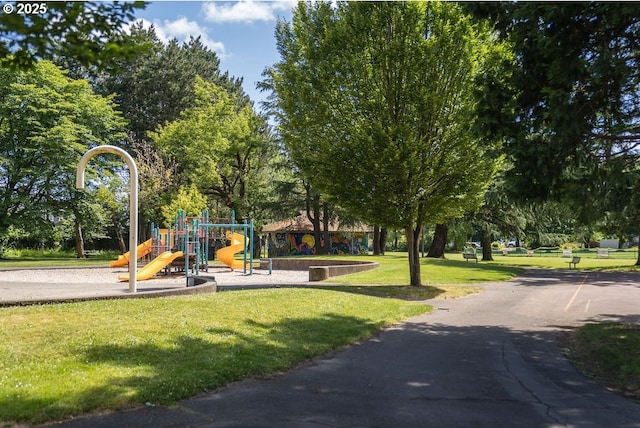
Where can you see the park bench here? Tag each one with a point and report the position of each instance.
(88, 253)
(603, 253)
(468, 255)
(530, 253)
(574, 261)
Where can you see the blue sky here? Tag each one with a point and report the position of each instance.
(241, 32)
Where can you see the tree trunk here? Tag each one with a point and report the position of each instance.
(119, 236)
(317, 236)
(379, 240)
(383, 240)
(79, 240)
(486, 246)
(439, 242)
(313, 204)
(413, 244)
(256, 244)
(638, 261)
(326, 244)
(376, 240)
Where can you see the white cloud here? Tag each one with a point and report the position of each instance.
(246, 11)
(182, 29)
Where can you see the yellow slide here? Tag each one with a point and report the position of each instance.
(123, 260)
(154, 266)
(225, 255)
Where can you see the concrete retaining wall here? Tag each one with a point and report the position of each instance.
(319, 269)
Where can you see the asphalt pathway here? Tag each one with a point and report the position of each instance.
(489, 360)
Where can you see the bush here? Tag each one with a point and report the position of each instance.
(552, 239)
(571, 246)
(53, 253)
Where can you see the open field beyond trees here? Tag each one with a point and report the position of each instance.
(617, 260)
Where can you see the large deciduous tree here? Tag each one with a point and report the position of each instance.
(152, 89)
(47, 122)
(375, 105)
(217, 145)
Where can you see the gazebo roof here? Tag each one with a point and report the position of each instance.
(301, 223)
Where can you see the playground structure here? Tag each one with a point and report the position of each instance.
(123, 259)
(184, 246)
(227, 254)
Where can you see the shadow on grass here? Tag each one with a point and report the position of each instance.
(491, 372)
(221, 355)
(480, 266)
(405, 292)
(608, 351)
(162, 373)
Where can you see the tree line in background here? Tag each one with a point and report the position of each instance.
(491, 119)
(195, 136)
(531, 108)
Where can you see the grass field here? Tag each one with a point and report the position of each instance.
(67, 359)
(394, 270)
(33, 258)
(610, 354)
(622, 260)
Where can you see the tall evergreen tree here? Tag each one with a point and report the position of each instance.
(154, 87)
(572, 108)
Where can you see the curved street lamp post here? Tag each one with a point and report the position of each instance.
(133, 202)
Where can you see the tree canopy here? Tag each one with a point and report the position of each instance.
(89, 32)
(47, 121)
(573, 91)
(569, 108)
(375, 104)
(216, 144)
(153, 87)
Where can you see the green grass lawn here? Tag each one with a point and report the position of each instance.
(588, 261)
(394, 270)
(38, 263)
(66, 359)
(32, 258)
(444, 279)
(610, 354)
